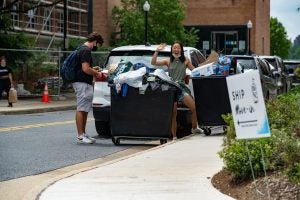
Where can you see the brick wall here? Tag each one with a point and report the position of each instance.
(102, 22)
(234, 12)
(201, 12)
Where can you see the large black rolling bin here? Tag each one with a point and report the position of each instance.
(146, 116)
(212, 100)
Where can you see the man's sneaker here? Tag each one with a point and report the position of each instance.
(89, 137)
(84, 140)
(197, 130)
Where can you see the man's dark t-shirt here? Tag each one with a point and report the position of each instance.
(85, 55)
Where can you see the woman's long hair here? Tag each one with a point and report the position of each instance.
(182, 57)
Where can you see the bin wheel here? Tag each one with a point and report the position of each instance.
(207, 131)
(116, 141)
(163, 141)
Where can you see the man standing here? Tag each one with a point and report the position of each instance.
(83, 85)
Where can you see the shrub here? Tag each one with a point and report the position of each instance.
(281, 151)
(286, 148)
(283, 112)
(297, 72)
(236, 157)
(230, 130)
(293, 173)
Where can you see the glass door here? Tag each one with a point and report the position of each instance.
(225, 42)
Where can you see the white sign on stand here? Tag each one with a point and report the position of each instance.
(248, 105)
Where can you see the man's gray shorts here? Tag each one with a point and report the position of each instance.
(84, 96)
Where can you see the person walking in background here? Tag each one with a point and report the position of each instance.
(6, 80)
(83, 85)
(177, 64)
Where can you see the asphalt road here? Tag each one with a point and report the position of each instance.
(32, 144)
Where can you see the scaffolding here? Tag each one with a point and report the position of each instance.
(44, 20)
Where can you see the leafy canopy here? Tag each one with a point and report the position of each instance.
(295, 52)
(165, 19)
(280, 44)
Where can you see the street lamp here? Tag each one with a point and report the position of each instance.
(249, 26)
(146, 8)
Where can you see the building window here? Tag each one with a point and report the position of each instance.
(47, 19)
(15, 16)
(73, 22)
(60, 21)
(31, 19)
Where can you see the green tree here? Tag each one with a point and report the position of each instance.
(18, 41)
(295, 52)
(164, 23)
(280, 44)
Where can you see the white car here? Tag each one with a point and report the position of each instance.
(134, 54)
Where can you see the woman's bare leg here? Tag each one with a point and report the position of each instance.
(190, 103)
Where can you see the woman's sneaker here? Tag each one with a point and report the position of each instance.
(84, 140)
(89, 137)
(197, 130)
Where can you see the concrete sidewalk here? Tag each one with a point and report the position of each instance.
(177, 170)
(34, 105)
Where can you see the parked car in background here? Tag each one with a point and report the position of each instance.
(292, 66)
(286, 80)
(244, 63)
(134, 54)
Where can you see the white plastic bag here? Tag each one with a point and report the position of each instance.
(132, 78)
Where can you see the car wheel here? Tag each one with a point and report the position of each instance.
(116, 141)
(207, 131)
(163, 141)
(103, 128)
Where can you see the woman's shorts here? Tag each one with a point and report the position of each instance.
(184, 91)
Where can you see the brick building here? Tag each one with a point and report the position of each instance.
(222, 23)
(44, 21)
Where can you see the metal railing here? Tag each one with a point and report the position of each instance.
(33, 68)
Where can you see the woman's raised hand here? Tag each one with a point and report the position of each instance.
(161, 46)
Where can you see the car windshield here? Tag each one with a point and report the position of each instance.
(246, 63)
(135, 57)
(289, 65)
(272, 61)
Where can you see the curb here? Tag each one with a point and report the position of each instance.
(38, 110)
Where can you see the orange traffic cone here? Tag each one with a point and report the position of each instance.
(45, 97)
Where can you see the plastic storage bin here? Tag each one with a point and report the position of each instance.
(211, 99)
(147, 115)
